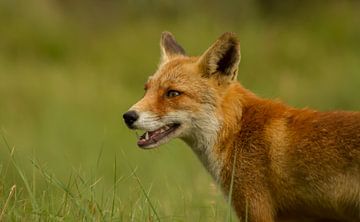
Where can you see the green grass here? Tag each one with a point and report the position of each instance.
(67, 73)
(85, 196)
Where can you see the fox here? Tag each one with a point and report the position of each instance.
(272, 161)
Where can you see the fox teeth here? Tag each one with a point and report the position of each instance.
(147, 135)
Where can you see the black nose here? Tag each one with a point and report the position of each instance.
(130, 117)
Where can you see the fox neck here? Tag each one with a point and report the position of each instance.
(203, 139)
(208, 140)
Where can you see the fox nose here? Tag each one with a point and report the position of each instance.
(130, 117)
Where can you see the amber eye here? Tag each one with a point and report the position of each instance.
(172, 93)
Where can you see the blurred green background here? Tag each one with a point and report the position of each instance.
(69, 69)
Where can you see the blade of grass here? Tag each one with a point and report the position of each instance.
(229, 217)
(114, 190)
(8, 162)
(62, 208)
(53, 180)
(142, 188)
(11, 193)
(22, 175)
(33, 176)
(57, 183)
(101, 151)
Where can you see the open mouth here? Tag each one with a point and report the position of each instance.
(153, 137)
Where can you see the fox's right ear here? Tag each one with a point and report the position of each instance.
(169, 47)
(222, 59)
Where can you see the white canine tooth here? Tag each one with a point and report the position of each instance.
(147, 135)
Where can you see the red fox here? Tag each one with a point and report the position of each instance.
(280, 163)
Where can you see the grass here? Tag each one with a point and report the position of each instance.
(67, 75)
(80, 197)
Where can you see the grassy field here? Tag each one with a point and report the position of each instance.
(69, 70)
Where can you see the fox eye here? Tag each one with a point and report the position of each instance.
(172, 93)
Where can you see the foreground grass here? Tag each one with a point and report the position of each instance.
(84, 197)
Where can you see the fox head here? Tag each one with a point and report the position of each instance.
(185, 97)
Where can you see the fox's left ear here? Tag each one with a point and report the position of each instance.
(221, 60)
(169, 47)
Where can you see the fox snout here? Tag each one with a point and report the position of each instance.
(158, 130)
(130, 118)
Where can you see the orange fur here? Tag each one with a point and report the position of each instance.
(290, 164)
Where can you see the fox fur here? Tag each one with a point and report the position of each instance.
(283, 163)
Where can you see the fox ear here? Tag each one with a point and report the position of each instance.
(169, 47)
(222, 58)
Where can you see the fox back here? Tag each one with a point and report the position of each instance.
(279, 163)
